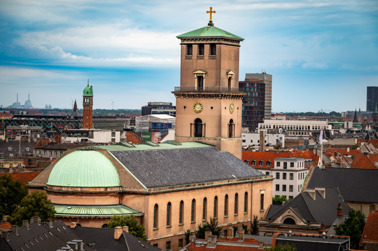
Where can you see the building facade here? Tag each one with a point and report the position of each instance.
(371, 98)
(253, 140)
(208, 101)
(159, 108)
(294, 127)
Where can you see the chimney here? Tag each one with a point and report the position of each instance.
(5, 218)
(72, 245)
(4, 234)
(339, 210)
(125, 228)
(230, 232)
(117, 232)
(262, 141)
(73, 225)
(207, 234)
(50, 223)
(36, 219)
(241, 233)
(211, 241)
(15, 229)
(25, 223)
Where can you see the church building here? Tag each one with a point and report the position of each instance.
(175, 186)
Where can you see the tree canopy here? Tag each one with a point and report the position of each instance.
(278, 200)
(353, 226)
(11, 193)
(135, 228)
(34, 204)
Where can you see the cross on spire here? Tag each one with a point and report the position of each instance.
(211, 11)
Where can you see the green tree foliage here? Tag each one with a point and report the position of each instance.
(355, 146)
(34, 204)
(187, 236)
(282, 247)
(11, 193)
(278, 200)
(278, 146)
(353, 226)
(208, 226)
(254, 226)
(135, 228)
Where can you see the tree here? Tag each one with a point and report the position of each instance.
(282, 247)
(278, 200)
(254, 226)
(188, 233)
(353, 226)
(135, 228)
(278, 146)
(212, 226)
(11, 193)
(34, 204)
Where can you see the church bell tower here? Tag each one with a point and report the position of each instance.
(88, 107)
(208, 100)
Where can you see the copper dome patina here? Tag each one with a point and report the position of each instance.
(84, 169)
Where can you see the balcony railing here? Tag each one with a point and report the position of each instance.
(207, 89)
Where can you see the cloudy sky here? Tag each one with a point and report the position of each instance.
(322, 54)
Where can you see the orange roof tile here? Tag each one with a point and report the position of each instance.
(5, 225)
(370, 233)
(271, 156)
(365, 162)
(24, 177)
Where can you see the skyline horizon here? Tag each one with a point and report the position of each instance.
(321, 54)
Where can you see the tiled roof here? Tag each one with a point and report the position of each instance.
(355, 185)
(171, 167)
(370, 233)
(24, 177)
(94, 210)
(5, 225)
(318, 210)
(269, 157)
(365, 161)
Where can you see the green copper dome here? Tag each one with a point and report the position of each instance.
(84, 169)
(88, 91)
(209, 31)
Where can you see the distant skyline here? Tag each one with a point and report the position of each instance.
(322, 54)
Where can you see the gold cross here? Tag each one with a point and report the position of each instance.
(211, 13)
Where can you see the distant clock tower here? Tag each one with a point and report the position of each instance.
(208, 101)
(88, 107)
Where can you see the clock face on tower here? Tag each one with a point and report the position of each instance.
(232, 108)
(198, 107)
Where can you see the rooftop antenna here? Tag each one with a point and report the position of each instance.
(28, 96)
(320, 163)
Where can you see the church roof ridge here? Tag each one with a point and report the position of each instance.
(209, 31)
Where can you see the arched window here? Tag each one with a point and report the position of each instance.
(198, 128)
(226, 205)
(169, 214)
(193, 216)
(231, 129)
(245, 202)
(216, 207)
(105, 226)
(156, 216)
(236, 206)
(289, 221)
(229, 83)
(204, 209)
(181, 213)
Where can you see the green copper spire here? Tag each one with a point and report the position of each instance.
(88, 91)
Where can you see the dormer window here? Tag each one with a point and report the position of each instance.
(253, 163)
(189, 49)
(261, 163)
(213, 49)
(201, 50)
(268, 163)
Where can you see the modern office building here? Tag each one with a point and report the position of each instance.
(159, 108)
(257, 104)
(371, 98)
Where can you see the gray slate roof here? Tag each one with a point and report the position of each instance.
(357, 185)
(161, 168)
(319, 210)
(13, 147)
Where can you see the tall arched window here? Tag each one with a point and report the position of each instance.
(215, 207)
(231, 127)
(245, 202)
(204, 209)
(229, 83)
(169, 214)
(193, 216)
(226, 205)
(198, 128)
(236, 206)
(156, 216)
(181, 213)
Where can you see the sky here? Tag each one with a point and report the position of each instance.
(322, 54)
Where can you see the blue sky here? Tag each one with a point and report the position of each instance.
(322, 54)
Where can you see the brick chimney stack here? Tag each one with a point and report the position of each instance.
(339, 210)
(117, 232)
